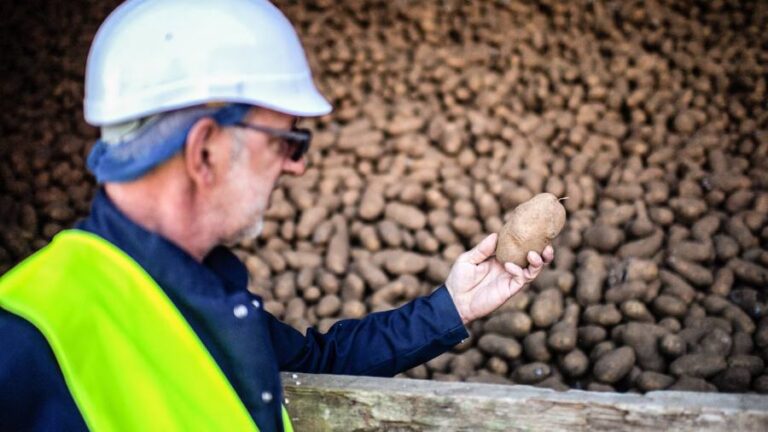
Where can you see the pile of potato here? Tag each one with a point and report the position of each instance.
(650, 117)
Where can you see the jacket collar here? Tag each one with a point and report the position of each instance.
(170, 266)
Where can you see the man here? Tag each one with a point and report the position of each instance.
(139, 319)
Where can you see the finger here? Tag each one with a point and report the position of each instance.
(531, 273)
(482, 251)
(517, 280)
(517, 273)
(548, 254)
(534, 259)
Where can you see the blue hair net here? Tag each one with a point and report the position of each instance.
(154, 143)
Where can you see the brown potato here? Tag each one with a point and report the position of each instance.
(353, 309)
(547, 308)
(761, 335)
(733, 380)
(464, 364)
(677, 286)
(742, 343)
(399, 262)
(667, 305)
(591, 335)
(651, 381)
(337, 254)
(562, 337)
(672, 345)
(500, 346)
(497, 366)
(512, 323)
(694, 273)
(590, 274)
(575, 363)
(614, 365)
(645, 247)
(741, 321)
(689, 383)
(535, 346)
(531, 227)
(636, 311)
(328, 306)
(626, 291)
(561, 279)
(753, 364)
(643, 338)
(693, 250)
(604, 238)
(698, 365)
(716, 341)
(605, 315)
(751, 273)
(532, 373)
(405, 215)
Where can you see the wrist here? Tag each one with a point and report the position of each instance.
(458, 304)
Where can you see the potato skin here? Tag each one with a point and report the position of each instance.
(698, 365)
(614, 365)
(531, 227)
(651, 381)
(532, 373)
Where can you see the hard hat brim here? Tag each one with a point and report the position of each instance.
(295, 96)
(305, 103)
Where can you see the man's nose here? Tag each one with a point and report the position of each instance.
(293, 167)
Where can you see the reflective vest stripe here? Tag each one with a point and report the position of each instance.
(128, 356)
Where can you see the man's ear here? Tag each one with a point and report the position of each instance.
(201, 153)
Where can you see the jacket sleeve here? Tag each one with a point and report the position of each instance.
(381, 344)
(33, 394)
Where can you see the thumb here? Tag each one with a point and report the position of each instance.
(482, 251)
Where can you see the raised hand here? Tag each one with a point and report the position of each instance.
(479, 284)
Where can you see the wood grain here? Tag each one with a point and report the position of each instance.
(346, 403)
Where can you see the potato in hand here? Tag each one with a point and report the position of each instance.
(531, 227)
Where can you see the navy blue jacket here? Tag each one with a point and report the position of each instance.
(250, 345)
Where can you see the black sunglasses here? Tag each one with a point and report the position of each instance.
(298, 139)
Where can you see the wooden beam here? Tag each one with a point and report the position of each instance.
(346, 403)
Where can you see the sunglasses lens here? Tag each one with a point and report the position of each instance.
(300, 146)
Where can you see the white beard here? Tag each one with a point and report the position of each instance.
(253, 231)
(242, 182)
(247, 234)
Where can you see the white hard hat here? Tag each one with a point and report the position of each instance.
(152, 56)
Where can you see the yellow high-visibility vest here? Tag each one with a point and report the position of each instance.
(128, 356)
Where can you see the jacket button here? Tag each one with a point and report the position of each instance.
(240, 311)
(256, 304)
(266, 396)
